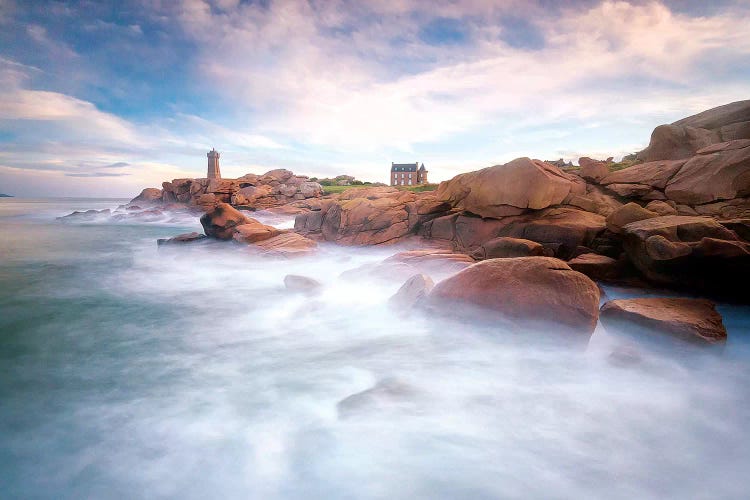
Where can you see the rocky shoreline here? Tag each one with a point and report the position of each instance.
(527, 240)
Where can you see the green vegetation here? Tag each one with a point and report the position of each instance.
(418, 188)
(328, 189)
(613, 167)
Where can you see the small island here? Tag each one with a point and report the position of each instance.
(3, 195)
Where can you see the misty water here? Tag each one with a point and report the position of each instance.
(128, 371)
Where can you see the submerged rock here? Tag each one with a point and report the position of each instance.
(297, 283)
(387, 394)
(412, 293)
(181, 239)
(527, 289)
(691, 320)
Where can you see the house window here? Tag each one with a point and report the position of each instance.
(410, 181)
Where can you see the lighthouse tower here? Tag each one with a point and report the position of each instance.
(213, 165)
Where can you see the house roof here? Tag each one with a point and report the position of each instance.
(405, 167)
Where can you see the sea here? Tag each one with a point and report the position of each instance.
(129, 370)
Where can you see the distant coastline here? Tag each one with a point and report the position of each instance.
(2, 195)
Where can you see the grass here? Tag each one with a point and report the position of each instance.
(417, 189)
(339, 189)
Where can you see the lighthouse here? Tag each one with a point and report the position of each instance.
(213, 165)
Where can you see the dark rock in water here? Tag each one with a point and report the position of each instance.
(181, 239)
(411, 293)
(691, 320)
(523, 289)
(297, 283)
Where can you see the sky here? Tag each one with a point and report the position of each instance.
(105, 98)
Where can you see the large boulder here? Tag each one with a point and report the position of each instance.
(526, 289)
(720, 172)
(508, 189)
(372, 216)
(691, 320)
(221, 221)
(695, 252)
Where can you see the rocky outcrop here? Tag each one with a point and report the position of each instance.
(695, 252)
(509, 189)
(526, 289)
(683, 138)
(370, 216)
(254, 192)
(690, 320)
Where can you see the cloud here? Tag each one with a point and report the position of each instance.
(331, 87)
(96, 174)
(338, 81)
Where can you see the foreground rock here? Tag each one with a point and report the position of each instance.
(507, 189)
(221, 221)
(525, 289)
(691, 320)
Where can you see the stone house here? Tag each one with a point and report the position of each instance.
(408, 174)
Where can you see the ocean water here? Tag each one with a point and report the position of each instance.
(128, 371)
